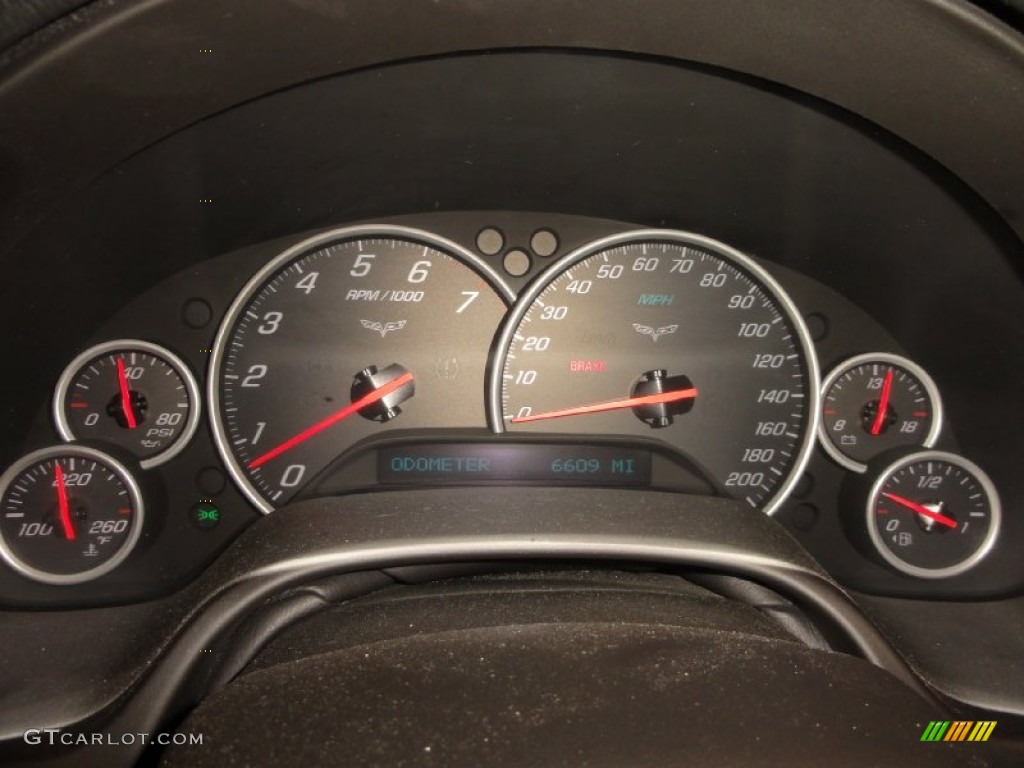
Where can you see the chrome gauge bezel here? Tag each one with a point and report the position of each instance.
(273, 266)
(742, 260)
(995, 515)
(131, 345)
(93, 454)
(890, 359)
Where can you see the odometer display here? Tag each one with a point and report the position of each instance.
(536, 463)
(344, 336)
(671, 336)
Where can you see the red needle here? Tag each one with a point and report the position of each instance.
(367, 399)
(65, 510)
(921, 510)
(613, 405)
(126, 397)
(883, 404)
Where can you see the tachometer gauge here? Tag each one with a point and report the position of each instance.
(876, 402)
(131, 393)
(340, 337)
(671, 336)
(932, 514)
(68, 514)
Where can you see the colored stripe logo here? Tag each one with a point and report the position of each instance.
(958, 730)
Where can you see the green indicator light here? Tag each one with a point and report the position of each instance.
(205, 515)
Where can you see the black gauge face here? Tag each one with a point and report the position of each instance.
(131, 393)
(668, 336)
(933, 514)
(342, 337)
(876, 402)
(70, 514)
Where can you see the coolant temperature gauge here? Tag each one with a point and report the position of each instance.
(932, 514)
(68, 514)
(876, 402)
(131, 393)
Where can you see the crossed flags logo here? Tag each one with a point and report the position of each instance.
(958, 730)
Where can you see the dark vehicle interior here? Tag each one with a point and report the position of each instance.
(512, 382)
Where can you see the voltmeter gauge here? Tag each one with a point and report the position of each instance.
(874, 403)
(68, 514)
(134, 394)
(932, 514)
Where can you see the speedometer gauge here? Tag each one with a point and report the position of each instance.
(666, 335)
(342, 336)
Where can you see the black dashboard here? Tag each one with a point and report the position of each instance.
(512, 292)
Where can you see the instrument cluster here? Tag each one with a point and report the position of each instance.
(480, 350)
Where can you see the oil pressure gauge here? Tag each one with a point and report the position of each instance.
(874, 403)
(134, 394)
(932, 514)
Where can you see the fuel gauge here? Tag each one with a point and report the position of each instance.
(131, 393)
(876, 402)
(932, 514)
